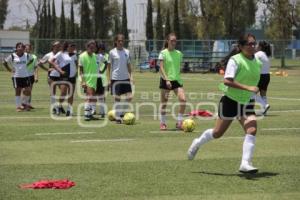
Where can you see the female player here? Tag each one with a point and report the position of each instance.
(64, 64)
(88, 68)
(170, 63)
(241, 78)
(119, 75)
(53, 75)
(102, 59)
(32, 70)
(263, 53)
(17, 64)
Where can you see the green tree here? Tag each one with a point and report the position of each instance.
(72, 22)
(3, 12)
(62, 22)
(53, 23)
(279, 24)
(124, 21)
(149, 21)
(168, 28)
(99, 13)
(176, 20)
(49, 20)
(85, 21)
(159, 23)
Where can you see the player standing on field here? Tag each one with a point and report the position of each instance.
(17, 64)
(170, 64)
(119, 75)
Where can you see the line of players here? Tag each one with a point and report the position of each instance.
(98, 70)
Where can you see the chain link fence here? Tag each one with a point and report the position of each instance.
(198, 54)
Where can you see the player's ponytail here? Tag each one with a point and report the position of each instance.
(265, 47)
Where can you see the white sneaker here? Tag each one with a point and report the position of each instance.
(267, 107)
(247, 167)
(193, 149)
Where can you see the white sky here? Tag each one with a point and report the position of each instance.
(19, 13)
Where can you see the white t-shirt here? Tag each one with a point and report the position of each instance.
(19, 64)
(262, 56)
(46, 59)
(119, 60)
(73, 70)
(62, 59)
(231, 69)
(100, 60)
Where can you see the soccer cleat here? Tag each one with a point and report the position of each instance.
(62, 110)
(68, 113)
(102, 115)
(179, 125)
(267, 107)
(119, 121)
(54, 111)
(20, 109)
(87, 117)
(163, 126)
(247, 168)
(193, 149)
(93, 112)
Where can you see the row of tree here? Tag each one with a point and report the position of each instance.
(189, 19)
(211, 19)
(98, 19)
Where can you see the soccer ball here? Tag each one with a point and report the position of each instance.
(188, 125)
(111, 115)
(129, 119)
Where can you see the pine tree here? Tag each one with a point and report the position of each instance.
(62, 22)
(149, 21)
(176, 20)
(124, 21)
(3, 12)
(49, 20)
(72, 22)
(159, 23)
(168, 29)
(53, 29)
(85, 21)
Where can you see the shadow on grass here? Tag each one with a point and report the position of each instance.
(245, 176)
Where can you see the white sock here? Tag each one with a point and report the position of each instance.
(87, 109)
(70, 108)
(18, 101)
(26, 100)
(260, 100)
(93, 106)
(52, 100)
(118, 108)
(205, 137)
(248, 148)
(163, 118)
(102, 102)
(264, 98)
(180, 117)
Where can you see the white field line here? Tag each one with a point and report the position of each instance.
(162, 132)
(279, 129)
(108, 140)
(72, 133)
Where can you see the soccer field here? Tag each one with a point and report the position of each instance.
(140, 162)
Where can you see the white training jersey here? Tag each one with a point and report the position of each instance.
(262, 56)
(46, 59)
(100, 61)
(73, 69)
(63, 59)
(19, 64)
(119, 60)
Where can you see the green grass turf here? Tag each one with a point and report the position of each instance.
(152, 165)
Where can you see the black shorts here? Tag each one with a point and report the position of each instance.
(21, 82)
(264, 81)
(55, 78)
(163, 84)
(72, 80)
(120, 87)
(229, 109)
(31, 79)
(100, 89)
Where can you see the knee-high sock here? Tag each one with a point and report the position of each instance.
(248, 147)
